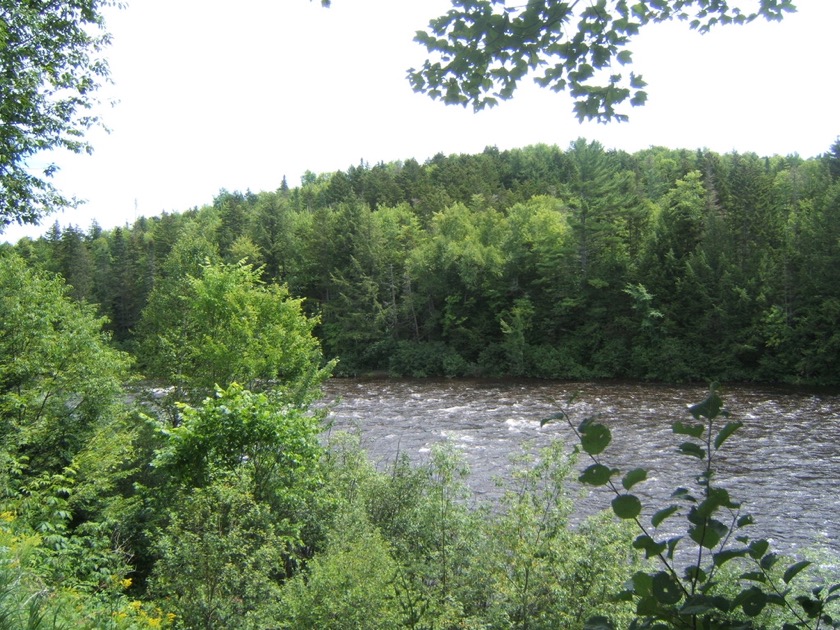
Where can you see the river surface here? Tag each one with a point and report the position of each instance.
(784, 464)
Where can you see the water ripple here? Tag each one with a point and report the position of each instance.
(784, 464)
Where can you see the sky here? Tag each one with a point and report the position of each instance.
(214, 94)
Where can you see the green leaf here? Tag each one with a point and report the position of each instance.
(752, 600)
(560, 415)
(722, 603)
(753, 576)
(695, 573)
(726, 432)
(794, 569)
(708, 535)
(627, 506)
(647, 606)
(595, 438)
(718, 497)
(812, 607)
(694, 430)
(672, 545)
(684, 494)
(662, 514)
(768, 561)
(648, 545)
(722, 557)
(642, 583)
(633, 477)
(666, 589)
(697, 605)
(709, 408)
(596, 475)
(758, 548)
(625, 57)
(690, 448)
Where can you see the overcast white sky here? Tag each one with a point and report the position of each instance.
(217, 94)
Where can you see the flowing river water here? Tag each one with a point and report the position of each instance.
(784, 464)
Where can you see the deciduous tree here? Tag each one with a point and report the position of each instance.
(223, 325)
(59, 379)
(50, 69)
(482, 49)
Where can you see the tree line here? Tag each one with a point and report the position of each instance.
(218, 501)
(580, 263)
(211, 496)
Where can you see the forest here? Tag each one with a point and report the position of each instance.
(164, 464)
(665, 265)
(166, 459)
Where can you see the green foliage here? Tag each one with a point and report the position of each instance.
(243, 472)
(50, 69)
(220, 558)
(271, 446)
(70, 454)
(234, 516)
(67, 451)
(447, 523)
(692, 588)
(519, 563)
(482, 49)
(542, 572)
(29, 600)
(59, 378)
(348, 586)
(424, 359)
(514, 326)
(573, 263)
(227, 326)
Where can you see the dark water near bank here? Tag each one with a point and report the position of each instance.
(784, 464)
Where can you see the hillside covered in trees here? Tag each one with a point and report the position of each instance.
(212, 497)
(665, 264)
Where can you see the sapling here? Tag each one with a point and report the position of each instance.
(688, 588)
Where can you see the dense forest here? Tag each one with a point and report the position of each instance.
(164, 464)
(671, 265)
(163, 461)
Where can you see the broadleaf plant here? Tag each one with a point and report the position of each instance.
(696, 591)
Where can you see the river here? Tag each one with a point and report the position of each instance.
(784, 464)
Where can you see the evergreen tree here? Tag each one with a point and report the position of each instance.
(75, 264)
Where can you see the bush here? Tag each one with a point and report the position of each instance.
(221, 557)
(425, 359)
(347, 587)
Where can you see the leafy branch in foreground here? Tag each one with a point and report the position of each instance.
(51, 66)
(483, 48)
(705, 593)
